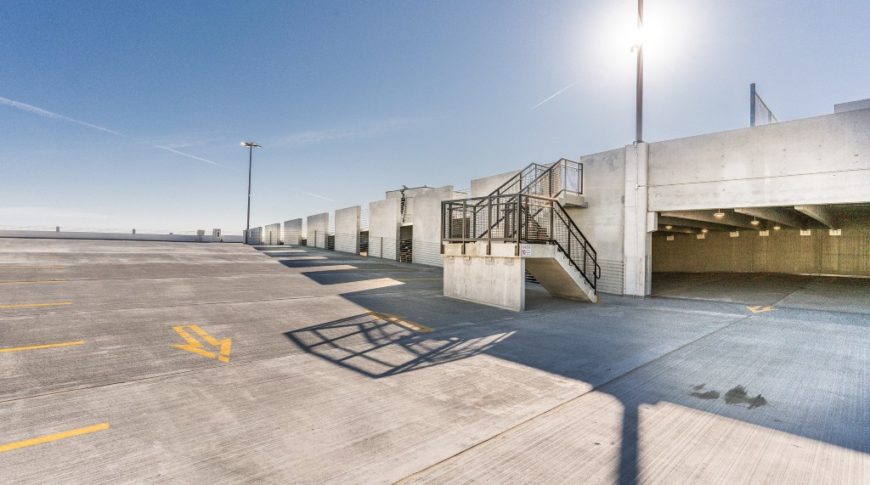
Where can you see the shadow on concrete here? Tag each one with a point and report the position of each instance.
(377, 348)
(811, 292)
(612, 347)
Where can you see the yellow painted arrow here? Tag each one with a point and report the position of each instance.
(760, 309)
(193, 345)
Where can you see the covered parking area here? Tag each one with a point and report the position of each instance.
(803, 256)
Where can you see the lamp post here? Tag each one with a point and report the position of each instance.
(639, 95)
(250, 146)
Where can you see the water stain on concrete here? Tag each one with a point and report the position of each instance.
(706, 395)
(699, 393)
(738, 395)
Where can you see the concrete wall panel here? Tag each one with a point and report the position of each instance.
(603, 221)
(318, 225)
(347, 227)
(820, 160)
(491, 280)
(272, 234)
(427, 225)
(384, 217)
(255, 236)
(293, 231)
(484, 186)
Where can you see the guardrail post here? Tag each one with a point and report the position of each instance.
(518, 221)
(489, 226)
(464, 224)
(552, 216)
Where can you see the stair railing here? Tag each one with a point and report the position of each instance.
(562, 177)
(520, 218)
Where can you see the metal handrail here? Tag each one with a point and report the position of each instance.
(514, 217)
(547, 171)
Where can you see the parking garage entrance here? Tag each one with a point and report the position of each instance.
(811, 256)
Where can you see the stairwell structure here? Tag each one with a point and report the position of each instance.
(491, 243)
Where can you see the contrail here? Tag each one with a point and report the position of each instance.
(57, 116)
(557, 93)
(318, 196)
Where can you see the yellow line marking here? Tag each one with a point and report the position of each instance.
(760, 309)
(35, 305)
(43, 346)
(31, 282)
(195, 346)
(413, 326)
(53, 437)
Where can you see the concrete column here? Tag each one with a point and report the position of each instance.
(637, 258)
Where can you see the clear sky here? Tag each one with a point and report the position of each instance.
(120, 114)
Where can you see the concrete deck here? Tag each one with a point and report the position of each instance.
(318, 388)
(835, 293)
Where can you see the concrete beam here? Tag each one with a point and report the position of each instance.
(679, 222)
(779, 215)
(677, 229)
(820, 213)
(731, 219)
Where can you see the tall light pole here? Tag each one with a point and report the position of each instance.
(250, 146)
(639, 96)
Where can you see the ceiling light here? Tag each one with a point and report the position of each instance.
(755, 222)
(705, 230)
(777, 227)
(718, 214)
(669, 227)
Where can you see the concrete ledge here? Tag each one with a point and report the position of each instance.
(118, 236)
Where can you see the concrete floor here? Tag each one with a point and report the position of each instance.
(318, 389)
(833, 293)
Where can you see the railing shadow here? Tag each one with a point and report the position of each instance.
(376, 347)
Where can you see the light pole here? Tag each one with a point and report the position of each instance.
(250, 146)
(639, 95)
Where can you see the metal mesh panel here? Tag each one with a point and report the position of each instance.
(520, 218)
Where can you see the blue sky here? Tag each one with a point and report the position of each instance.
(350, 99)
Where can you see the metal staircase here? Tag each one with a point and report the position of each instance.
(525, 210)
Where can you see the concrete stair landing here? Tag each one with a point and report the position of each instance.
(497, 277)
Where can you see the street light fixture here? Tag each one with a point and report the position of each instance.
(250, 146)
(639, 93)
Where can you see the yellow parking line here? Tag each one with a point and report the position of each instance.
(413, 326)
(35, 305)
(43, 346)
(53, 437)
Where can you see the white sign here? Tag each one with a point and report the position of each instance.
(525, 250)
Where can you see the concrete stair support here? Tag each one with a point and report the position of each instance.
(498, 278)
(555, 273)
(572, 201)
